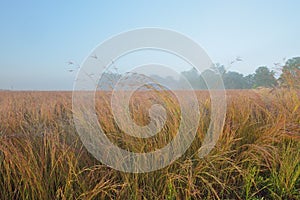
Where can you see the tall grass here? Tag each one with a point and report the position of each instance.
(256, 157)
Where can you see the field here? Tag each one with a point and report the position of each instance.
(257, 155)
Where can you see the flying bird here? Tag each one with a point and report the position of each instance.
(70, 63)
(238, 59)
(94, 56)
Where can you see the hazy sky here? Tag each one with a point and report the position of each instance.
(37, 39)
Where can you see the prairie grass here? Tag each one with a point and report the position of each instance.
(257, 155)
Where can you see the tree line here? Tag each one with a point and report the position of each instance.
(262, 77)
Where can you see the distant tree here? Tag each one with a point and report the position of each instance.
(168, 81)
(210, 77)
(234, 80)
(263, 77)
(250, 81)
(194, 78)
(290, 76)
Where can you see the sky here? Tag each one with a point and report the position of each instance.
(39, 38)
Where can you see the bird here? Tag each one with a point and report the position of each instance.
(70, 63)
(94, 56)
(238, 58)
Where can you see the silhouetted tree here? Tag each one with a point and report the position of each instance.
(234, 80)
(250, 81)
(194, 78)
(290, 76)
(263, 77)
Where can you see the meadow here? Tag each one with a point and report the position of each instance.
(256, 157)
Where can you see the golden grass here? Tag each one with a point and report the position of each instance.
(256, 157)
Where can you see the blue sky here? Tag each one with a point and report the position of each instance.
(38, 38)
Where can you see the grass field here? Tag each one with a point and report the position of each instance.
(256, 157)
